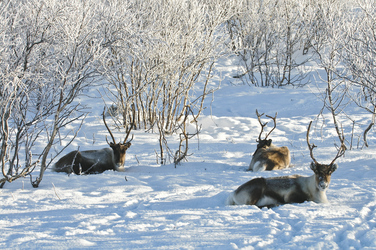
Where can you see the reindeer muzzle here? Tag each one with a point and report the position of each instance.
(322, 185)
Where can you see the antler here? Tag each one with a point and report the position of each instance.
(342, 148)
(129, 129)
(311, 147)
(262, 125)
(104, 120)
(340, 152)
(275, 123)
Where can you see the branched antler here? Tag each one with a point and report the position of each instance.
(129, 128)
(264, 124)
(275, 123)
(341, 150)
(311, 146)
(112, 136)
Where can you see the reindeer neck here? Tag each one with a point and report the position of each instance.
(317, 195)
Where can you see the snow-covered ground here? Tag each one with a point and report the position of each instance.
(162, 207)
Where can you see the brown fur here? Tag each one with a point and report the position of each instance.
(274, 191)
(269, 157)
(255, 187)
(93, 161)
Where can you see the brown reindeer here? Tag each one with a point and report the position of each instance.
(268, 156)
(96, 161)
(274, 191)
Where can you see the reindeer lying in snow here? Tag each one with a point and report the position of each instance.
(268, 156)
(96, 161)
(270, 192)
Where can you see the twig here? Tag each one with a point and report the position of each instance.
(55, 191)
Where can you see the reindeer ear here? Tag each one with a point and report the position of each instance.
(313, 167)
(269, 142)
(333, 167)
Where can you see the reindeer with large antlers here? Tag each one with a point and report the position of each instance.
(268, 156)
(274, 191)
(96, 161)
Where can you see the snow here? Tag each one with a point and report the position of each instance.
(150, 206)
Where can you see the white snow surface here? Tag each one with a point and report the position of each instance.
(149, 206)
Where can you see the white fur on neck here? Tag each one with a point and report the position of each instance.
(309, 184)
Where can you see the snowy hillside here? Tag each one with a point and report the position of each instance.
(162, 207)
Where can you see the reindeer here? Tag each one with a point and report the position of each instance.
(268, 156)
(274, 191)
(96, 161)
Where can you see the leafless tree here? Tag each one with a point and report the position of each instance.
(71, 67)
(359, 55)
(48, 51)
(22, 109)
(327, 45)
(168, 48)
(268, 38)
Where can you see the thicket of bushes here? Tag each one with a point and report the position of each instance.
(152, 54)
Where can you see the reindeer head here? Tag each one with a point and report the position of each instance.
(263, 143)
(119, 149)
(323, 172)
